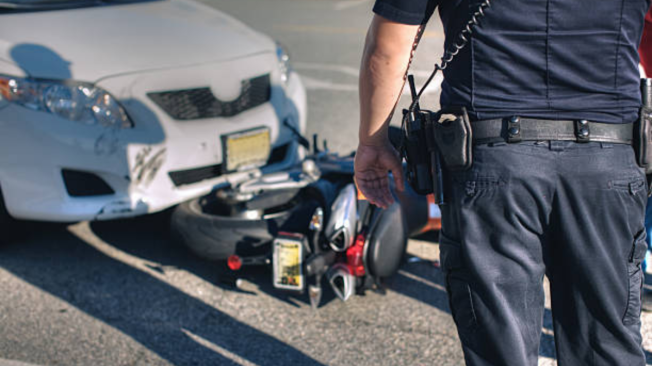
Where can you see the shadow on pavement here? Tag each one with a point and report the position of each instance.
(163, 319)
(148, 237)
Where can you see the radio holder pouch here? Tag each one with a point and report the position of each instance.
(448, 143)
(415, 150)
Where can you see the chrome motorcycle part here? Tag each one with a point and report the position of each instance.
(340, 230)
(314, 293)
(341, 280)
(317, 220)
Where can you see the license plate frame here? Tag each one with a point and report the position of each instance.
(246, 149)
(287, 262)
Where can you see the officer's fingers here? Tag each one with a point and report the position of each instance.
(379, 199)
(384, 193)
(374, 193)
(379, 188)
(380, 202)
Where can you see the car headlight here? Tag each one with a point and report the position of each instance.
(284, 65)
(77, 102)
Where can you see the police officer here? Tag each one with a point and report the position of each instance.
(552, 90)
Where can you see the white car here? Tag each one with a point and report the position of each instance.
(112, 109)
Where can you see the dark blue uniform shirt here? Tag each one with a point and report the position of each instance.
(570, 59)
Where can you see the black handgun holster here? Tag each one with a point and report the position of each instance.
(454, 138)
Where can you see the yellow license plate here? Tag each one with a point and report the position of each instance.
(288, 263)
(247, 149)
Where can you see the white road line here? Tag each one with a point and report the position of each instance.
(421, 280)
(316, 84)
(547, 361)
(215, 348)
(4, 362)
(547, 331)
(342, 5)
(348, 70)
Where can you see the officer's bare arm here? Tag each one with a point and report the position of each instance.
(384, 61)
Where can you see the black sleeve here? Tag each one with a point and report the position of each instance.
(412, 12)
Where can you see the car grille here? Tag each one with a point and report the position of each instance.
(190, 176)
(190, 104)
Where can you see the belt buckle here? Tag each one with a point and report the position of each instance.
(582, 131)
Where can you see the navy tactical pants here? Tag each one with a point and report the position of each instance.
(572, 211)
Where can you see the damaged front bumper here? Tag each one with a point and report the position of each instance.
(57, 170)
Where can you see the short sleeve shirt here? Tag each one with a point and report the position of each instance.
(556, 60)
(406, 12)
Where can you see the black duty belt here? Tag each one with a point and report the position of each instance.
(516, 129)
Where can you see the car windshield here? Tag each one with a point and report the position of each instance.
(37, 5)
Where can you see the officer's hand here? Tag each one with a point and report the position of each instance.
(372, 163)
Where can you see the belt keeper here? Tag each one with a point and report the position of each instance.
(582, 131)
(514, 129)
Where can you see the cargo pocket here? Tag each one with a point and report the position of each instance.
(635, 277)
(632, 185)
(460, 295)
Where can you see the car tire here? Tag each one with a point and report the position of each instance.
(216, 236)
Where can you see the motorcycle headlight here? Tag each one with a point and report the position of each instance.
(284, 65)
(77, 102)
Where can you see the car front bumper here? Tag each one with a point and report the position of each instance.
(137, 164)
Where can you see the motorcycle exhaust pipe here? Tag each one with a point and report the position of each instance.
(340, 229)
(341, 280)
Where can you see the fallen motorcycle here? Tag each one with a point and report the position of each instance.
(307, 223)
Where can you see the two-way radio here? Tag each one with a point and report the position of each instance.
(424, 166)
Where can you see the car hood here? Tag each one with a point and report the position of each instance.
(89, 44)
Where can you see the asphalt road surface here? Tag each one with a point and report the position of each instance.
(123, 293)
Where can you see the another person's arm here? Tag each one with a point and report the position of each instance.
(645, 48)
